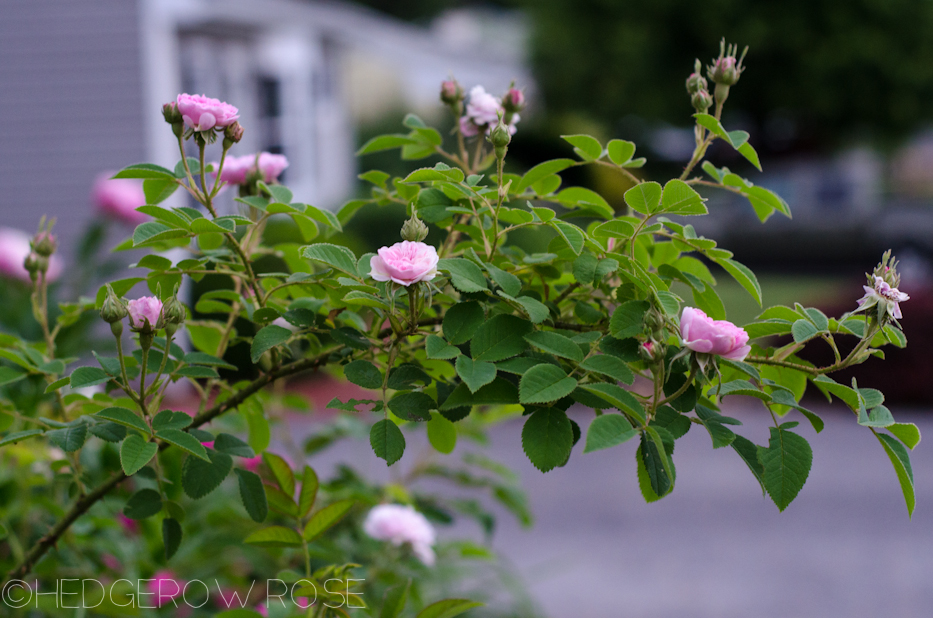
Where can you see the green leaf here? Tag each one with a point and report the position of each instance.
(18, 436)
(543, 170)
(282, 472)
(407, 376)
(547, 438)
(253, 495)
(536, 311)
(158, 190)
(786, 465)
(679, 198)
(442, 433)
(363, 373)
(556, 344)
(572, 235)
(267, 338)
(171, 536)
(351, 337)
(908, 433)
(335, 256)
(879, 416)
(587, 147)
(274, 536)
(448, 608)
(900, 459)
(803, 330)
(618, 398)
(184, 441)
(475, 374)
(88, 376)
(387, 441)
(136, 453)
(657, 459)
(584, 268)
(843, 392)
(436, 348)
(309, 487)
(509, 283)
(747, 151)
(464, 274)
(545, 383)
(628, 319)
(500, 337)
(713, 421)
(145, 170)
(608, 430)
(644, 197)
(745, 277)
(326, 518)
(124, 417)
(748, 451)
(199, 477)
(412, 406)
(610, 366)
(200, 358)
(385, 142)
(110, 432)
(143, 504)
(462, 320)
(167, 419)
(394, 600)
(620, 151)
(69, 439)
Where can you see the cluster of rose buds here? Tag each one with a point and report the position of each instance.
(41, 247)
(697, 89)
(204, 117)
(483, 110)
(882, 290)
(147, 314)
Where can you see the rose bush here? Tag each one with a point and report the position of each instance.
(615, 313)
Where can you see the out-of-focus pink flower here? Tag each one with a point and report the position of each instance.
(145, 309)
(129, 525)
(882, 292)
(236, 169)
(164, 586)
(467, 127)
(111, 562)
(202, 113)
(118, 198)
(14, 248)
(252, 463)
(482, 113)
(703, 334)
(404, 263)
(402, 524)
(208, 444)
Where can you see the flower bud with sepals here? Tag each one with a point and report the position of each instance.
(414, 229)
(500, 137)
(696, 82)
(725, 70)
(451, 93)
(233, 133)
(701, 101)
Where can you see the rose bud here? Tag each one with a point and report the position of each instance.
(145, 314)
(451, 92)
(414, 229)
(701, 101)
(514, 100)
(705, 335)
(44, 243)
(233, 133)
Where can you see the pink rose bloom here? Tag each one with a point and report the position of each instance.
(467, 127)
(404, 263)
(141, 310)
(882, 292)
(14, 249)
(236, 169)
(483, 108)
(203, 113)
(703, 334)
(272, 165)
(118, 198)
(399, 525)
(129, 525)
(164, 586)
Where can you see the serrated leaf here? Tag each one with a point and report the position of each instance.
(274, 536)
(363, 373)
(326, 518)
(543, 170)
(461, 321)
(610, 366)
(110, 432)
(143, 504)
(267, 338)
(335, 256)
(547, 438)
(281, 471)
(387, 441)
(475, 374)
(199, 477)
(88, 376)
(253, 495)
(644, 197)
(18, 436)
(803, 330)
(464, 274)
(743, 275)
(620, 151)
(509, 283)
(436, 348)
(442, 434)
(572, 235)
(394, 600)
(171, 536)
(618, 398)
(679, 198)
(136, 453)
(69, 439)
(786, 464)
(412, 406)
(500, 337)
(900, 459)
(555, 344)
(908, 433)
(748, 451)
(309, 487)
(545, 383)
(184, 441)
(587, 147)
(608, 430)
(628, 319)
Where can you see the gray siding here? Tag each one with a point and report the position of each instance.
(70, 105)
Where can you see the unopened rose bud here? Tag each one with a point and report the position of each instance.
(414, 229)
(651, 351)
(173, 311)
(701, 100)
(44, 243)
(696, 81)
(145, 314)
(233, 133)
(513, 101)
(451, 92)
(113, 310)
(500, 137)
(726, 69)
(170, 113)
(32, 265)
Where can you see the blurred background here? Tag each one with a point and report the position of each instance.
(837, 99)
